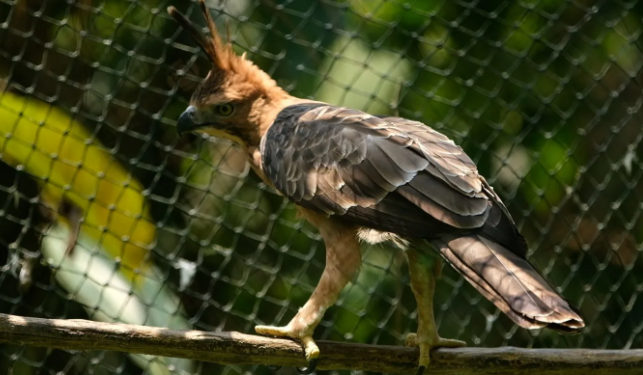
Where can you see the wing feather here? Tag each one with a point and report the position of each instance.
(446, 216)
(386, 165)
(448, 198)
(340, 161)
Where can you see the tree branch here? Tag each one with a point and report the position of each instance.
(241, 349)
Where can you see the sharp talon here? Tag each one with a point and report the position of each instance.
(273, 368)
(421, 370)
(312, 365)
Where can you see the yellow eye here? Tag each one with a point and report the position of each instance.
(225, 110)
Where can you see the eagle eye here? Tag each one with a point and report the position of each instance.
(225, 110)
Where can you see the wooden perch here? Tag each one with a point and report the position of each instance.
(241, 349)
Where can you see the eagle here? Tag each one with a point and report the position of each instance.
(359, 177)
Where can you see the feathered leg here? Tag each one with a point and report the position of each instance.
(343, 258)
(423, 270)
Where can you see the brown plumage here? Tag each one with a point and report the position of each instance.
(359, 177)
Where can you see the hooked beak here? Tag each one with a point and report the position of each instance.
(187, 122)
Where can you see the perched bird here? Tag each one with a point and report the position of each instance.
(360, 177)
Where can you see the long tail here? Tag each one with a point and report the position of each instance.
(507, 279)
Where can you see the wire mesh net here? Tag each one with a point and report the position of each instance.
(107, 214)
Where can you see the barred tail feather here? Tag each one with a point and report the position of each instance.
(510, 282)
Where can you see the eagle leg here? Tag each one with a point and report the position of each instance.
(423, 270)
(343, 259)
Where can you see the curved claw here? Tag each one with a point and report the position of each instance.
(312, 365)
(421, 370)
(311, 349)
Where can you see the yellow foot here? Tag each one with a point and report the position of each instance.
(311, 349)
(428, 342)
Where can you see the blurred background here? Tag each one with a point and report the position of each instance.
(106, 214)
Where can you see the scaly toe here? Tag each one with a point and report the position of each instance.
(450, 343)
(274, 331)
(411, 340)
(311, 349)
(425, 345)
(425, 357)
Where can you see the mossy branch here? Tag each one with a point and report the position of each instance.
(241, 349)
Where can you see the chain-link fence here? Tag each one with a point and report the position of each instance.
(544, 95)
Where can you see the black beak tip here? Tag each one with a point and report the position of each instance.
(186, 123)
